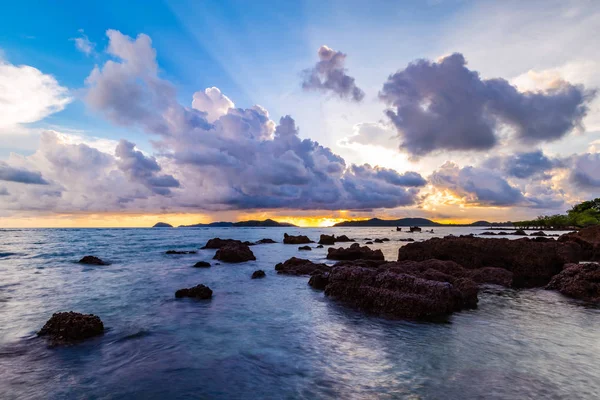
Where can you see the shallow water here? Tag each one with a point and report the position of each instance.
(272, 338)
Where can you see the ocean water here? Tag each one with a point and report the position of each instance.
(272, 338)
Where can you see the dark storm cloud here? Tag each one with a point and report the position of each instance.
(11, 174)
(329, 75)
(524, 165)
(445, 106)
(585, 172)
(139, 168)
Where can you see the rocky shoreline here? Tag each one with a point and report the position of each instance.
(431, 278)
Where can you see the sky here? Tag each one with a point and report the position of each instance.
(126, 114)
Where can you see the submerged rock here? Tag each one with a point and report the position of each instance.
(198, 292)
(299, 266)
(258, 274)
(368, 242)
(378, 241)
(265, 241)
(589, 240)
(520, 232)
(305, 248)
(581, 281)
(70, 327)
(92, 260)
(533, 263)
(538, 233)
(354, 252)
(180, 252)
(235, 253)
(406, 240)
(300, 239)
(320, 246)
(202, 264)
(488, 233)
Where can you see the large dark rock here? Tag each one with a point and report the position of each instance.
(92, 260)
(319, 281)
(588, 239)
(180, 252)
(581, 281)
(354, 252)
(300, 239)
(202, 264)
(217, 243)
(234, 253)
(258, 274)
(305, 248)
(299, 266)
(327, 239)
(533, 263)
(70, 327)
(198, 292)
(391, 292)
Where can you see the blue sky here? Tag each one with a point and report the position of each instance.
(256, 52)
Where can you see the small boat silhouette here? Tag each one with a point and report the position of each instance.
(415, 229)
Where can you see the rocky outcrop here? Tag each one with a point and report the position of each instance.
(300, 239)
(217, 243)
(354, 252)
(305, 248)
(202, 264)
(258, 274)
(520, 232)
(532, 262)
(171, 252)
(319, 281)
(265, 241)
(327, 239)
(406, 240)
(588, 239)
(368, 242)
(234, 253)
(299, 266)
(538, 233)
(320, 246)
(92, 260)
(581, 281)
(70, 327)
(378, 241)
(198, 292)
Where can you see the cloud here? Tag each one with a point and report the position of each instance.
(142, 169)
(28, 95)
(445, 106)
(11, 174)
(373, 134)
(83, 44)
(585, 171)
(213, 102)
(524, 165)
(3, 191)
(329, 75)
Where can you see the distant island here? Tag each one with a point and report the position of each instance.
(162, 225)
(267, 223)
(413, 222)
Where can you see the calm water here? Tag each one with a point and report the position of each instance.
(274, 338)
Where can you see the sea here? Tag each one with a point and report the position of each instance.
(271, 338)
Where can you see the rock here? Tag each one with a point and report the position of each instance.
(202, 264)
(258, 274)
(354, 252)
(70, 327)
(300, 239)
(92, 260)
(343, 238)
(406, 240)
(217, 243)
(589, 240)
(305, 248)
(299, 266)
(385, 240)
(532, 263)
(368, 242)
(390, 292)
(319, 281)
(491, 275)
(162, 225)
(367, 239)
(180, 252)
(581, 281)
(320, 246)
(488, 233)
(198, 292)
(327, 239)
(538, 233)
(520, 232)
(378, 241)
(234, 253)
(265, 241)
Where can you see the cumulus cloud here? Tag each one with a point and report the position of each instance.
(524, 165)
(373, 134)
(11, 174)
(28, 95)
(214, 103)
(145, 170)
(585, 172)
(83, 43)
(444, 105)
(329, 75)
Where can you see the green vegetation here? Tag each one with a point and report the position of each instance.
(581, 215)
